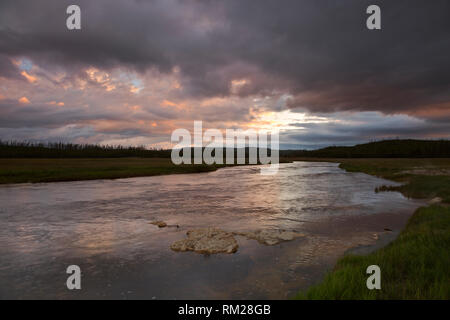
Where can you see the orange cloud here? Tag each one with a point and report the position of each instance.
(29, 77)
(432, 111)
(134, 89)
(179, 105)
(60, 104)
(102, 78)
(112, 125)
(135, 107)
(238, 84)
(176, 85)
(24, 100)
(167, 103)
(109, 87)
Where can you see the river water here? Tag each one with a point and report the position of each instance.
(103, 227)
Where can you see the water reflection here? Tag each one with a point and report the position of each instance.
(103, 226)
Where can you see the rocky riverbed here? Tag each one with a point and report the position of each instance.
(214, 240)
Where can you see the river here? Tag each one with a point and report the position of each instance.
(103, 227)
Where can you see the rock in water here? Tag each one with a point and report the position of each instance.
(208, 241)
(160, 224)
(271, 237)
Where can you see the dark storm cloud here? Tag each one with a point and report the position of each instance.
(319, 51)
(8, 69)
(17, 115)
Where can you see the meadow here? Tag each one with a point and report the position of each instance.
(67, 169)
(415, 265)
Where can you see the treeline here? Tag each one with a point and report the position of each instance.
(69, 150)
(380, 149)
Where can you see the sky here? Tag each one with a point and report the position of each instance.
(137, 70)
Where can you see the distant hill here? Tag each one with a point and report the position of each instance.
(380, 149)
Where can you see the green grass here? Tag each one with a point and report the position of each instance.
(51, 170)
(432, 179)
(414, 266)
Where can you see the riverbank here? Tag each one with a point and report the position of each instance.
(33, 170)
(53, 170)
(416, 264)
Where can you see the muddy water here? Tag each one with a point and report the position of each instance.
(103, 226)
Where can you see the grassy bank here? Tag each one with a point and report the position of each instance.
(51, 170)
(420, 178)
(414, 266)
